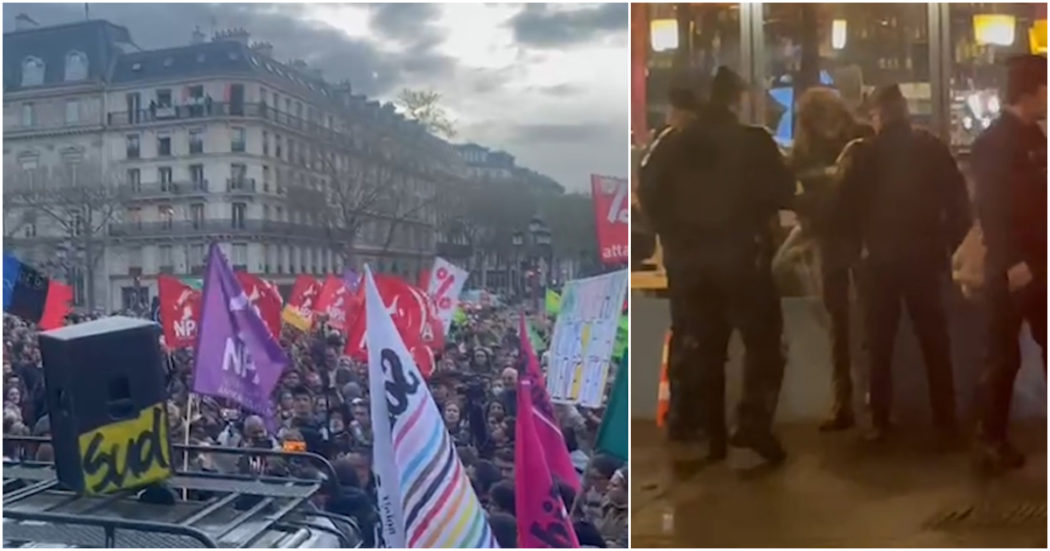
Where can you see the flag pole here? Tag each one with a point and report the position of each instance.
(186, 439)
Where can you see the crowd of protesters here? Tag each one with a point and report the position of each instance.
(321, 405)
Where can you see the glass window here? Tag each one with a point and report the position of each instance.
(32, 71)
(197, 176)
(164, 175)
(132, 146)
(196, 141)
(165, 257)
(237, 139)
(240, 254)
(197, 215)
(164, 146)
(76, 66)
(164, 97)
(982, 38)
(28, 114)
(266, 143)
(135, 179)
(72, 111)
(853, 48)
(237, 214)
(166, 213)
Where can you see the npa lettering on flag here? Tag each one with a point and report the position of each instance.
(446, 282)
(611, 216)
(264, 296)
(180, 311)
(542, 519)
(33, 297)
(332, 302)
(414, 315)
(425, 499)
(299, 312)
(236, 357)
(548, 431)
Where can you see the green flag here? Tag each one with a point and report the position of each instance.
(534, 338)
(459, 317)
(612, 436)
(553, 302)
(194, 282)
(620, 346)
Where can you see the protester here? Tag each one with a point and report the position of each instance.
(322, 403)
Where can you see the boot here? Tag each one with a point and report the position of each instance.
(841, 418)
(765, 445)
(996, 457)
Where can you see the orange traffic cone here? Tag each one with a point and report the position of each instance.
(663, 396)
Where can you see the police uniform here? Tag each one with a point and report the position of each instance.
(712, 194)
(1009, 160)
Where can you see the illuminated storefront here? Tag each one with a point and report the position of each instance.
(948, 58)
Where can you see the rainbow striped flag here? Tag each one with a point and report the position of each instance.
(425, 496)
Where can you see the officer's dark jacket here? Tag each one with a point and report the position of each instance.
(904, 199)
(714, 184)
(1009, 164)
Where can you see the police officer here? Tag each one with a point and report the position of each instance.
(657, 171)
(1009, 160)
(712, 205)
(905, 201)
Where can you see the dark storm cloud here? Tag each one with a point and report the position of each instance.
(557, 133)
(370, 70)
(543, 26)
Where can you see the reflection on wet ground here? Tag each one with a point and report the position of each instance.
(835, 491)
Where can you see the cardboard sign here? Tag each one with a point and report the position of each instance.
(446, 282)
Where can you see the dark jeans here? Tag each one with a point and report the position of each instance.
(709, 302)
(1006, 312)
(919, 288)
(835, 283)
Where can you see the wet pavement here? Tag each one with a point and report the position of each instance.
(836, 491)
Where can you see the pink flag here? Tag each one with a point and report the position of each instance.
(547, 428)
(542, 520)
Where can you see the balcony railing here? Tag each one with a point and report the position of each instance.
(166, 189)
(186, 228)
(240, 184)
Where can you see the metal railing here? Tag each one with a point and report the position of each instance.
(210, 226)
(166, 189)
(240, 184)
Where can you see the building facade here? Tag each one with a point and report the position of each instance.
(154, 154)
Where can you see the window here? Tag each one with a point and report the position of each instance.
(291, 150)
(288, 105)
(237, 214)
(197, 258)
(237, 139)
(197, 177)
(135, 258)
(167, 264)
(32, 71)
(164, 175)
(166, 213)
(266, 212)
(298, 110)
(238, 176)
(197, 215)
(132, 146)
(278, 214)
(266, 143)
(76, 66)
(72, 111)
(276, 102)
(196, 92)
(164, 146)
(27, 115)
(266, 178)
(277, 146)
(164, 98)
(196, 142)
(134, 179)
(240, 254)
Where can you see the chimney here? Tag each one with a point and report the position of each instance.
(198, 36)
(232, 35)
(24, 22)
(263, 49)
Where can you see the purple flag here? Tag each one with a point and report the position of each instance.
(352, 279)
(236, 357)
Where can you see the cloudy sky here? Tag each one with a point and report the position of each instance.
(547, 83)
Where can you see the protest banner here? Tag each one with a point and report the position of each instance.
(180, 311)
(446, 282)
(299, 312)
(611, 217)
(583, 339)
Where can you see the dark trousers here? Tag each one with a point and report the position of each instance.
(835, 283)
(1006, 312)
(710, 301)
(919, 288)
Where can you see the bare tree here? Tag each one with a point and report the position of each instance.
(79, 202)
(424, 107)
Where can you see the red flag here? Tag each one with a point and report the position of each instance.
(333, 302)
(424, 279)
(414, 315)
(180, 312)
(542, 519)
(266, 299)
(299, 312)
(548, 431)
(56, 306)
(611, 215)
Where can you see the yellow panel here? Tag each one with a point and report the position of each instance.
(128, 453)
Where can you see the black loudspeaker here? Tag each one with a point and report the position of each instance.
(107, 400)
